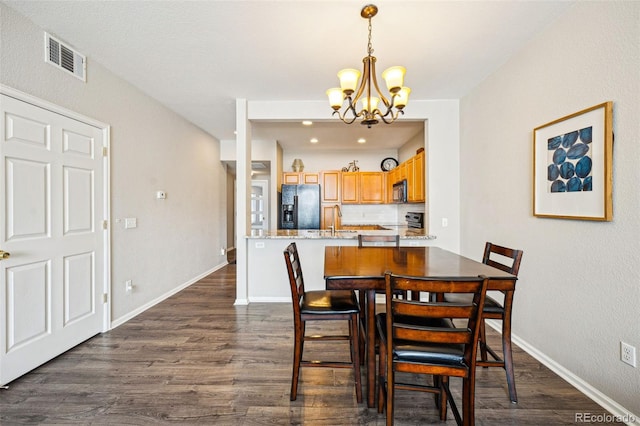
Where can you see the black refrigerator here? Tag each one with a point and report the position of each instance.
(299, 207)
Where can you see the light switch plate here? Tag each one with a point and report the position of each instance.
(161, 195)
(130, 222)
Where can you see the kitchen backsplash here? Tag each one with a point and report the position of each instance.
(378, 214)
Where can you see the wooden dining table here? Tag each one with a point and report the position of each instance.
(363, 268)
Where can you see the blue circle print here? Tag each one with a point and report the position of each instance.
(586, 134)
(587, 185)
(553, 172)
(583, 167)
(553, 143)
(559, 155)
(574, 184)
(567, 170)
(577, 151)
(558, 186)
(569, 139)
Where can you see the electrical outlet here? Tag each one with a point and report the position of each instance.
(628, 354)
(128, 285)
(222, 251)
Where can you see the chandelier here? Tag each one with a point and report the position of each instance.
(371, 105)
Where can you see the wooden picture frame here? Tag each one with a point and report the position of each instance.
(572, 166)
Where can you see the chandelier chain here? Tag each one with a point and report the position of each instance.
(370, 46)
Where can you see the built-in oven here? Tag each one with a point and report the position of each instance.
(400, 192)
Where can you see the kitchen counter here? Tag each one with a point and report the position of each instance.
(343, 234)
(267, 279)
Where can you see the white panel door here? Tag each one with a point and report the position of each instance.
(51, 199)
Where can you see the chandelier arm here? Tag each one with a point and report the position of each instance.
(389, 110)
(343, 118)
(365, 77)
(352, 108)
(384, 100)
(394, 116)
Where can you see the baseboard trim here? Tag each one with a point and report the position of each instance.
(270, 300)
(598, 397)
(163, 297)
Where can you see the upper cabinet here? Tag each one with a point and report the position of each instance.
(372, 187)
(366, 187)
(350, 187)
(298, 178)
(363, 188)
(418, 190)
(330, 186)
(413, 171)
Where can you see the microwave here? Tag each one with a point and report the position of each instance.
(399, 193)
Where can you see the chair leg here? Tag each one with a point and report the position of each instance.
(355, 353)
(442, 383)
(508, 360)
(297, 358)
(390, 395)
(468, 406)
(482, 341)
(363, 325)
(382, 377)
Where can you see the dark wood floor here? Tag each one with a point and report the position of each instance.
(196, 358)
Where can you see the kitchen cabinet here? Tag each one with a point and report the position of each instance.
(372, 188)
(363, 188)
(413, 171)
(393, 176)
(410, 163)
(330, 186)
(298, 178)
(350, 187)
(419, 189)
(330, 216)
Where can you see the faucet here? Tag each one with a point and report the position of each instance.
(333, 218)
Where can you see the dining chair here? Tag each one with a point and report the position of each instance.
(320, 305)
(420, 337)
(508, 260)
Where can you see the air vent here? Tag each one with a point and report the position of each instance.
(63, 56)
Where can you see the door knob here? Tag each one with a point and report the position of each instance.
(4, 254)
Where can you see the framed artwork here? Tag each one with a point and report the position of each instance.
(572, 166)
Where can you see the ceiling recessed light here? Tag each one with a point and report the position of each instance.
(314, 140)
(362, 140)
(307, 122)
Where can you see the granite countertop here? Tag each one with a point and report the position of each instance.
(349, 234)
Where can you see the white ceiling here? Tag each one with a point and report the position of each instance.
(197, 57)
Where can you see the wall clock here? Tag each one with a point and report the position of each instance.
(388, 163)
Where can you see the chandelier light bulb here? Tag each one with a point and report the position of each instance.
(336, 96)
(402, 98)
(394, 77)
(348, 80)
(374, 104)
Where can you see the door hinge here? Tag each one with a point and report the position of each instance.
(104, 151)
(105, 224)
(105, 297)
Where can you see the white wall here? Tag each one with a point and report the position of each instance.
(152, 148)
(579, 289)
